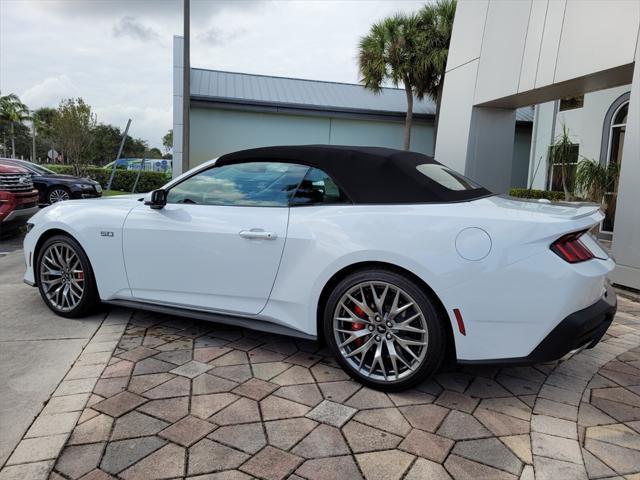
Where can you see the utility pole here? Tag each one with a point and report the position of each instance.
(186, 87)
(33, 140)
(115, 163)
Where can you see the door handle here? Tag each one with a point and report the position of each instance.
(257, 233)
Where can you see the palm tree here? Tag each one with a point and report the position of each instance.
(390, 53)
(562, 152)
(436, 21)
(13, 111)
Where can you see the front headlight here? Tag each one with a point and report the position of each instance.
(84, 186)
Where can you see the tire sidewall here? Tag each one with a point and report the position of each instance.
(89, 295)
(436, 347)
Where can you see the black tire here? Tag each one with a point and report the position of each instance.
(59, 190)
(89, 298)
(437, 341)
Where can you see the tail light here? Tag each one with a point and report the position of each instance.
(571, 249)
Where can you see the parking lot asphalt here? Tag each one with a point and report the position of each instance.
(37, 348)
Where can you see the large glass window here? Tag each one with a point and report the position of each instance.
(243, 184)
(446, 177)
(318, 188)
(616, 144)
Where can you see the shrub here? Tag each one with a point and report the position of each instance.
(527, 193)
(123, 179)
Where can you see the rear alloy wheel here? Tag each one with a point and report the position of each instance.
(58, 194)
(65, 278)
(384, 331)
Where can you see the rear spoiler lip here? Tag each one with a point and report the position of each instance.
(590, 208)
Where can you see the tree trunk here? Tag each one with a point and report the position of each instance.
(567, 195)
(13, 142)
(409, 118)
(437, 119)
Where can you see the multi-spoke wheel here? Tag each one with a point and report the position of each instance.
(58, 194)
(65, 278)
(384, 330)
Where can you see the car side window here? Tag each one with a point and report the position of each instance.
(317, 188)
(267, 184)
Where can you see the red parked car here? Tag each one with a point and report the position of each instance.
(18, 197)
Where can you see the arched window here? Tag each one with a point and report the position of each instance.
(615, 132)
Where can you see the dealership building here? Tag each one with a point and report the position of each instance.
(517, 74)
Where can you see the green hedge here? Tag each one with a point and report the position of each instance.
(123, 179)
(526, 193)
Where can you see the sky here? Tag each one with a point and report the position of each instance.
(117, 54)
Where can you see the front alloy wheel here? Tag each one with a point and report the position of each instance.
(384, 330)
(58, 195)
(65, 278)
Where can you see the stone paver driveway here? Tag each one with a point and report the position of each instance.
(181, 398)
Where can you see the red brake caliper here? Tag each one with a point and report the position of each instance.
(358, 326)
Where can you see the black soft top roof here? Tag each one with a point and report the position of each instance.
(370, 175)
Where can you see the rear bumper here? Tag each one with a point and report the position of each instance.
(581, 329)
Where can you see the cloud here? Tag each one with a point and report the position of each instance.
(131, 27)
(49, 92)
(217, 36)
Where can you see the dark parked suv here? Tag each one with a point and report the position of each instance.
(54, 187)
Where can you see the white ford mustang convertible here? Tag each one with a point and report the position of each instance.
(393, 259)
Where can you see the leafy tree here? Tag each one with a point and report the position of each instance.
(594, 180)
(154, 153)
(436, 23)
(43, 125)
(561, 154)
(13, 112)
(167, 141)
(73, 129)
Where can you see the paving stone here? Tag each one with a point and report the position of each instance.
(187, 431)
(486, 388)
(332, 468)
(385, 465)
(456, 381)
(234, 357)
(620, 459)
(123, 368)
(72, 387)
(594, 467)
(560, 395)
(92, 431)
(462, 426)
(152, 365)
(141, 383)
(177, 357)
(426, 469)
(274, 408)
(119, 404)
(37, 449)
(68, 403)
(84, 371)
(262, 355)
(457, 401)
(308, 394)
(501, 425)
(236, 373)
(191, 369)
(122, 454)
(87, 414)
(332, 413)
(286, 346)
(181, 343)
(554, 426)
(325, 373)
(226, 475)
(463, 469)
(78, 460)
(324, 441)
(108, 387)
(167, 462)
(46, 425)
(246, 343)
(295, 375)
(520, 445)
(425, 417)
(209, 456)
(388, 419)
(367, 398)
(304, 359)
(518, 386)
(176, 387)
(255, 388)
(339, 391)
(556, 447)
(203, 406)
(619, 394)
(618, 434)
(243, 410)
(509, 406)
(589, 416)
(248, 437)
(98, 358)
(136, 424)
(267, 371)
(206, 383)
(620, 411)
(426, 445)
(31, 471)
(489, 451)
(556, 409)
(286, 433)
(138, 353)
(169, 409)
(363, 438)
(551, 469)
(205, 355)
(410, 397)
(271, 464)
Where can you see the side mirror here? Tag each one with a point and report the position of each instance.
(158, 199)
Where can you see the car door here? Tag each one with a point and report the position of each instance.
(217, 243)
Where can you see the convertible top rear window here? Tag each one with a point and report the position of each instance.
(446, 177)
